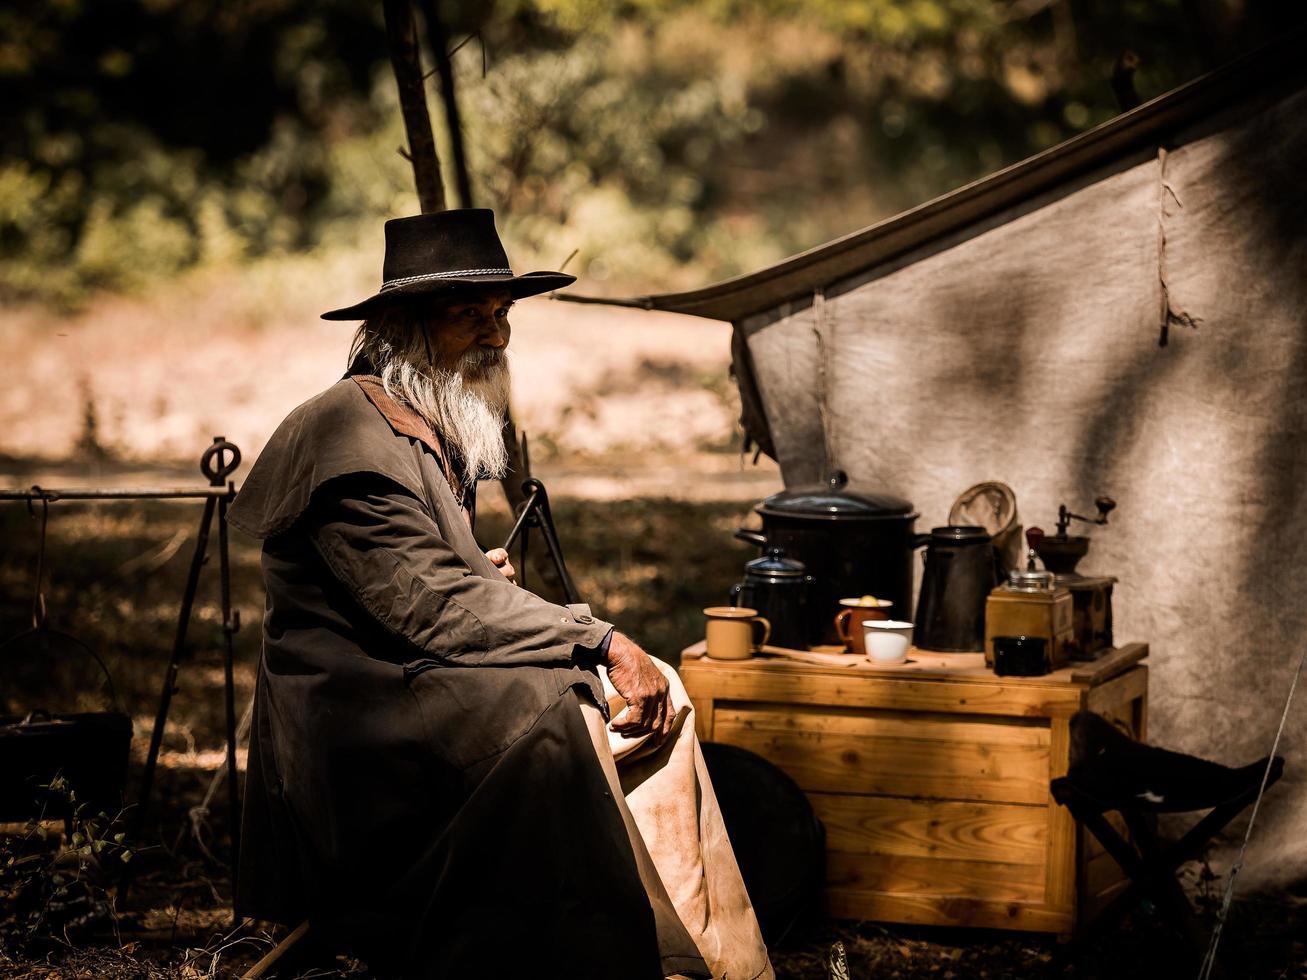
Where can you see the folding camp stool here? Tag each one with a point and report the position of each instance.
(1111, 771)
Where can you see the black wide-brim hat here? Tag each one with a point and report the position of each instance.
(446, 252)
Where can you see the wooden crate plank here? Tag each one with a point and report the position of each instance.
(704, 709)
(847, 903)
(804, 684)
(872, 753)
(1119, 692)
(1062, 853)
(1004, 833)
(920, 725)
(1109, 664)
(932, 877)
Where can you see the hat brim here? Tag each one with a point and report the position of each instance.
(527, 284)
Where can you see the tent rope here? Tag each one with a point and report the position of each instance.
(1209, 958)
(823, 412)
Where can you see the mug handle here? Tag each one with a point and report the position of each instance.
(766, 630)
(842, 623)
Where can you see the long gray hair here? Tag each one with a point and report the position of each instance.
(465, 404)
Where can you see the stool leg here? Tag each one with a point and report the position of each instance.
(1118, 907)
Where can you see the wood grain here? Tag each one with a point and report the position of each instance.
(979, 880)
(1120, 691)
(850, 903)
(1062, 852)
(784, 681)
(705, 710)
(1110, 664)
(1001, 833)
(894, 753)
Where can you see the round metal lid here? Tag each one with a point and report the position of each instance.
(835, 499)
(959, 532)
(1031, 580)
(774, 564)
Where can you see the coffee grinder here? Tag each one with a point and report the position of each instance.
(1032, 604)
(1091, 594)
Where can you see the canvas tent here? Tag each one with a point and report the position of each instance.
(1125, 313)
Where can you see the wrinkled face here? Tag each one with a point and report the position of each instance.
(477, 322)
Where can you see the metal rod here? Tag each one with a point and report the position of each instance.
(51, 494)
(550, 533)
(170, 679)
(537, 513)
(230, 624)
(527, 514)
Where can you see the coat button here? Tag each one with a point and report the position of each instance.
(587, 620)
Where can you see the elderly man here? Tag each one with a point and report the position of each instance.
(431, 779)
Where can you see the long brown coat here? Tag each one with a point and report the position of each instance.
(421, 783)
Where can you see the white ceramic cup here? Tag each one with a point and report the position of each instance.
(887, 640)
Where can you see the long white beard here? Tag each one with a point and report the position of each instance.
(466, 406)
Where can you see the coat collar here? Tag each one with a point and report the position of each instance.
(404, 421)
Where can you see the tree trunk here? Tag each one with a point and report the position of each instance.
(406, 60)
(438, 41)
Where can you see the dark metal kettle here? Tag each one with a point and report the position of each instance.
(961, 571)
(777, 587)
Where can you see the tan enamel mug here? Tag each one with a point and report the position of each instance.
(730, 632)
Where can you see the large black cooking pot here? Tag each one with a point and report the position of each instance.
(854, 542)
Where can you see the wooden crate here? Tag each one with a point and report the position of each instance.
(932, 777)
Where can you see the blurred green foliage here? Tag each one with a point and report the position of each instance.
(667, 142)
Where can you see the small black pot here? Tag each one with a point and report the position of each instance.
(854, 542)
(777, 587)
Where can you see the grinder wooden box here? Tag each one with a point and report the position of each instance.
(1092, 597)
(932, 778)
(1009, 612)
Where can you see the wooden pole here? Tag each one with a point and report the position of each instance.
(406, 60)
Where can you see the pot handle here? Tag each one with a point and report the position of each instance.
(918, 540)
(842, 623)
(751, 536)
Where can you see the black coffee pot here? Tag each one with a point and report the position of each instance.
(961, 571)
(777, 587)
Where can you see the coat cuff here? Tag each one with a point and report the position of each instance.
(592, 647)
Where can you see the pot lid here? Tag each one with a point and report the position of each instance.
(834, 498)
(959, 532)
(1031, 580)
(774, 564)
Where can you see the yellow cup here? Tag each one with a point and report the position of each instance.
(730, 632)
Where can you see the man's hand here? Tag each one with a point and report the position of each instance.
(638, 680)
(499, 558)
